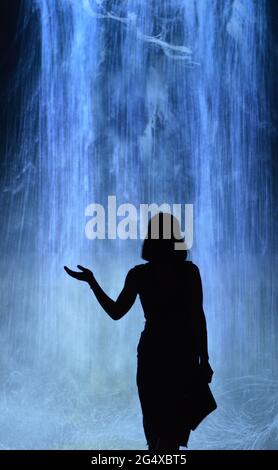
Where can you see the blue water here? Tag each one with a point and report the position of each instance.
(152, 102)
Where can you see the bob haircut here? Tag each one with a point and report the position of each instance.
(163, 233)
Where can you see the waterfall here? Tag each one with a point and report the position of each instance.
(161, 102)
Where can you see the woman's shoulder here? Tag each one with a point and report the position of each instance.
(193, 268)
(192, 265)
(138, 268)
(136, 273)
(143, 267)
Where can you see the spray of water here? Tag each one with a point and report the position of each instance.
(151, 102)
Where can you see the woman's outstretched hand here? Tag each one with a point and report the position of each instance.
(83, 275)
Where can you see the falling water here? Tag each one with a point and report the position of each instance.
(152, 102)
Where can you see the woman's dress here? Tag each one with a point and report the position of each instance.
(169, 350)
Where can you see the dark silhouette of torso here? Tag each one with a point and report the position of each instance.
(171, 344)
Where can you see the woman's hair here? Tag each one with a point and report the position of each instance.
(164, 240)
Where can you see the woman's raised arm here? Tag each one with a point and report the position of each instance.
(116, 309)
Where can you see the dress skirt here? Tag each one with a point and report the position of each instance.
(164, 381)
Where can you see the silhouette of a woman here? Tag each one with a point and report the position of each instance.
(172, 355)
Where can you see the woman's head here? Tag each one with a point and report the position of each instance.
(164, 240)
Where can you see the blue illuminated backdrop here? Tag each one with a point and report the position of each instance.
(151, 102)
